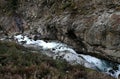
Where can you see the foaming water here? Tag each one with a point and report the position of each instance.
(63, 51)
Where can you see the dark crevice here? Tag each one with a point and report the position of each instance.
(79, 41)
(112, 6)
(70, 33)
(1, 28)
(18, 22)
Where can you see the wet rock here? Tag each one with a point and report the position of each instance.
(91, 27)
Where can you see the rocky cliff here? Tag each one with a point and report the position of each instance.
(90, 26)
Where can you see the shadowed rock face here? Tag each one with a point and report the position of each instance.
(12, 24)
(90, 26)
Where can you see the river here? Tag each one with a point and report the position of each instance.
(58, 50)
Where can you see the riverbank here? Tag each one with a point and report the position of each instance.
(17, 62)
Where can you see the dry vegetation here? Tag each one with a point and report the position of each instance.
(17, 62)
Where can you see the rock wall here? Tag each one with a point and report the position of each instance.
(90, 26)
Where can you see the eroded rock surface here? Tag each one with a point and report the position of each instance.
(90, 26)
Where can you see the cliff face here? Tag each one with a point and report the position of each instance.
(90, 26)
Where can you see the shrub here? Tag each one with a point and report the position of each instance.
(17, 62)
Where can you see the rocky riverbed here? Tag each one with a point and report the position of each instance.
(91, 27)
(58, 50)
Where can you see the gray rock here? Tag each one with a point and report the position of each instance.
(91, 27)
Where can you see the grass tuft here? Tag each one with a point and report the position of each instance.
(17, 62)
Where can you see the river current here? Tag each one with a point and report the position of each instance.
(58, 50)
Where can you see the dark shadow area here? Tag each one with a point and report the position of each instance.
(71, 34)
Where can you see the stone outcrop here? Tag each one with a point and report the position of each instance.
(90, 26)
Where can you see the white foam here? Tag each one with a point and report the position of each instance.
(97, 62)
(60, 50)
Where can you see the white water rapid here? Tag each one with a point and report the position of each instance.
(60, 50)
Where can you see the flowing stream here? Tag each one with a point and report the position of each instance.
(58, 50)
